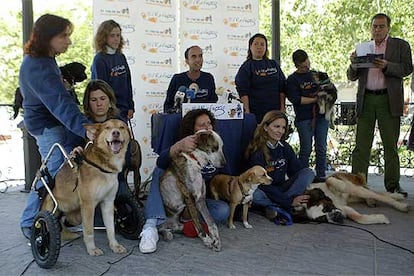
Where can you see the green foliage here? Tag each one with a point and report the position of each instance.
(11, 48)
(327, 29)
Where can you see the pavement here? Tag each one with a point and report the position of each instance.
(267, 249)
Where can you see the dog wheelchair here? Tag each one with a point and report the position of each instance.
(45, 240)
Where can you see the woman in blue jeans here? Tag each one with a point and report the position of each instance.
(192, 122)
(51, 114)
(302, 89)
(290, 177)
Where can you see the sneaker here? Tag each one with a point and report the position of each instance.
(270, 213)
(149, 239)
(398, 190)
(72, 228)
(27, 232)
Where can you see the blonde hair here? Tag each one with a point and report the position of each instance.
(104, 29)
(261, 136)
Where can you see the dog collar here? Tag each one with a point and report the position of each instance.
(96, 166)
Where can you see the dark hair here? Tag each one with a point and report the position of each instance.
(382, 15)
(104, 29)
(249, 52)
(261, 137)
(299, 56)
(98, 84)
(188, 121)
(188, 50)
(45, 28)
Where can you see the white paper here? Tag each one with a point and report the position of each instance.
(365, 48)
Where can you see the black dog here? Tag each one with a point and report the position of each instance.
(71, 73)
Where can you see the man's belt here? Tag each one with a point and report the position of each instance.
(376, 92)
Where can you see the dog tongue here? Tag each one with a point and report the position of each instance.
(115, 146)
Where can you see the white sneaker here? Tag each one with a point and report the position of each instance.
(149, 239)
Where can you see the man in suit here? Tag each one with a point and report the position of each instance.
(380, 99)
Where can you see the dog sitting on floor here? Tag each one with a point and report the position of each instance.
(239, 190)
(183, 187)
(341, 189)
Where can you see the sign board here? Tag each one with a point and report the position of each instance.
(225, 111)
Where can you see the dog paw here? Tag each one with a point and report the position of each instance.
(382, 219)
(336, 216)
(247, 225)
(167, 234)
(118, 249)
(95, 251)
(403, 207)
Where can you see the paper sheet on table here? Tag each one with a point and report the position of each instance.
(365, 48)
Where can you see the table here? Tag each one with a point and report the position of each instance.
(236, 135)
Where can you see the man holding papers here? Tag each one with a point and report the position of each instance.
(380, 99)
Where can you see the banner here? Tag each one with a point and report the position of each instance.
(156, 34)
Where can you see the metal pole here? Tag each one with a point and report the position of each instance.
(32, 159)
(276, 30)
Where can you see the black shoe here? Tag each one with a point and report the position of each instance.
(398, 190)
(27, 232)
(318, 179)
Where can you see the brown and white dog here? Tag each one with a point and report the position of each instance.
(182, 186)
(239, 190)
(341, 189)
(95, 181)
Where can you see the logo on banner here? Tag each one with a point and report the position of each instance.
(158, 47)
(240, 37)
(159, 33)
(235, 51)
(233, 66)
(239, 22)
(159, 63)
(200, 34)
(152, 108)
(130, 60)
(200, 5)
(157, 17)
(128, 28)
(156, 78)
(155, 94)
(229, 80)
(115, 12)
(210, 64)
(240, 8)
(208, 19)
(163, 3)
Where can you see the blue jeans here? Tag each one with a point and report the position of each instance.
(45, 141)
(306, 134)
(282, 195)
(154, 207)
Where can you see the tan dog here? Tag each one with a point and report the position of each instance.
(345, 188)
(239, 190)
(95, 181)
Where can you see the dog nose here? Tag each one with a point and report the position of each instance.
(116, 133)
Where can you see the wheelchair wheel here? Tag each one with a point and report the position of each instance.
(129, 216)
(45, 239)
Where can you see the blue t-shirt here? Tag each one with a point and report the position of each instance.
(262, 81)
(114, 69)
(205, 94)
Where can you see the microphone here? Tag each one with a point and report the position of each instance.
(191, 92)
(179, 98)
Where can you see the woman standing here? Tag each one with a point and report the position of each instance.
(51, 114)
(110, 65)
(260, 81)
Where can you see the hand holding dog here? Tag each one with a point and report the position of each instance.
(187, 144)
(299, 200)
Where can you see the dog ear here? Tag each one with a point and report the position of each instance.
(91, 130)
